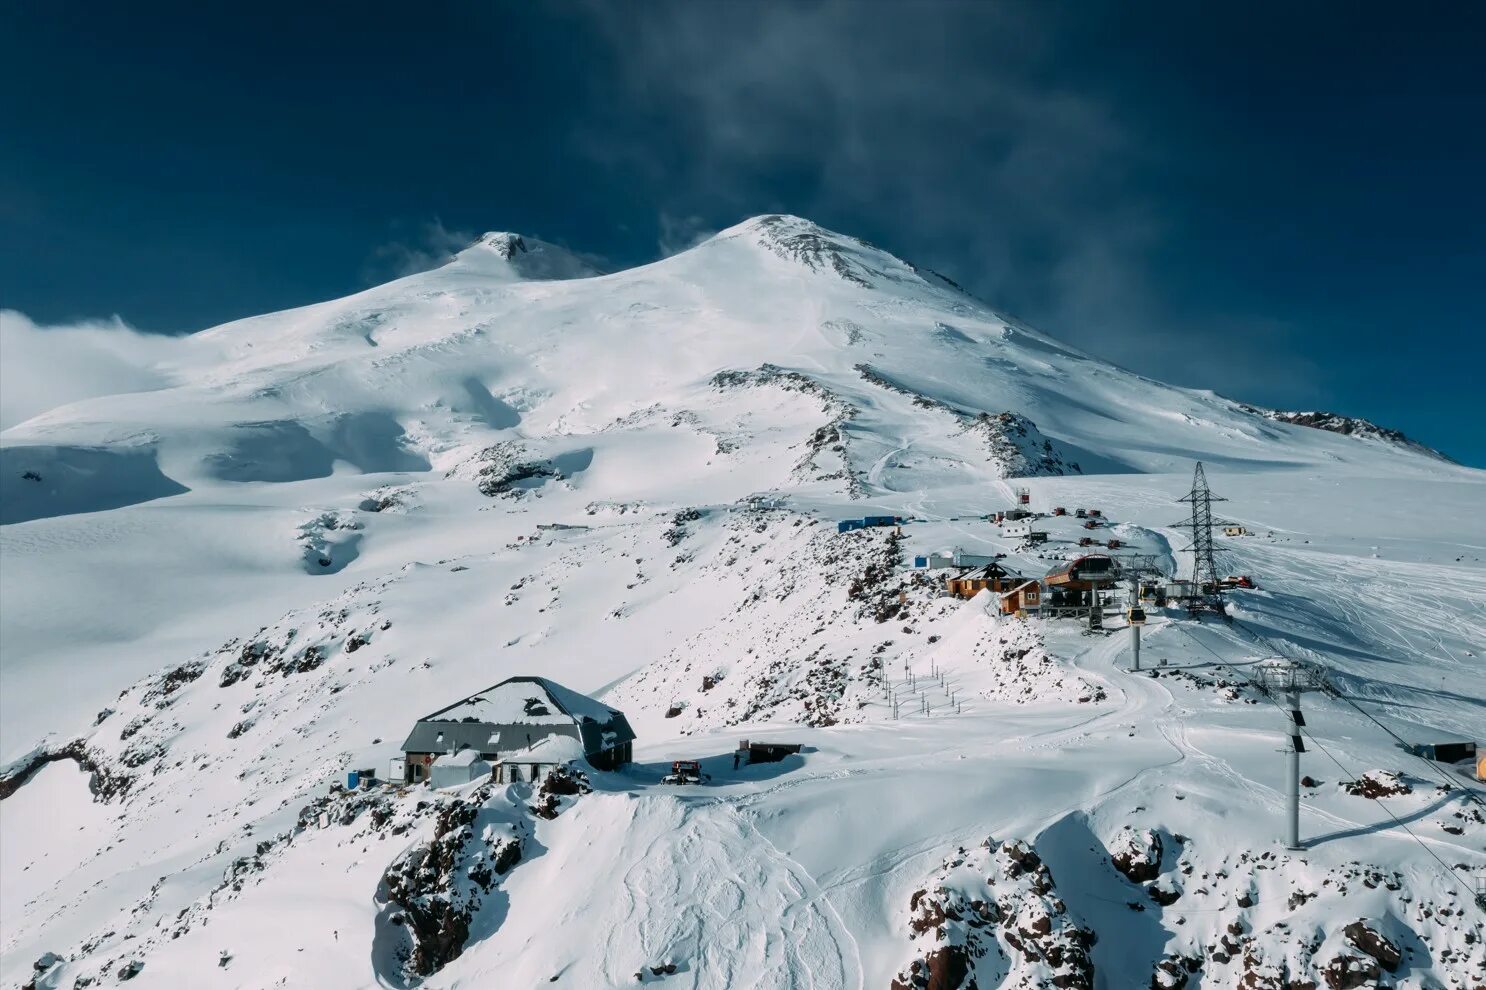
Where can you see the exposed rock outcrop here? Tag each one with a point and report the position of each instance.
(993, 917)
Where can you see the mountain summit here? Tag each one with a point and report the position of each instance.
(503, 254)
(892, 379)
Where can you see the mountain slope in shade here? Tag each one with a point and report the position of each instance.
(219, 596)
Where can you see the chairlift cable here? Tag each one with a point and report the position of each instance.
(1311, 736)
(1470, 792)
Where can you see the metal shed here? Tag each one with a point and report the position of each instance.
(457, 769)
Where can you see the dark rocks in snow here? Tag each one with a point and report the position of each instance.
(1351, 426)
(303, 662)
(105, 782)
(504, 470)
(874, 586)
(1368, 940)
(439, 886)
(421, 882)
(1347, 972)
(817, 249)
(1136, 853)
(129, 970)
(42, 968)
(560, 782)
(997, 902)
(1174, 972)
(172, 681)
(384, 499)
(678, 530)
(1377, 784)
(250, 656)
(1018, 448)
(945, 968)
(1164, 894)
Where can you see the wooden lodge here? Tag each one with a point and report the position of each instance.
(1025, 597)
(992, 577)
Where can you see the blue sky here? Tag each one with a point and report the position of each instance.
(1282, 202)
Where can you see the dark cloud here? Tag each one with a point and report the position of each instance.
(949, 132)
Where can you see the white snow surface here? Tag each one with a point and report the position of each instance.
(226, 591)
(463, 758)
(548, 749)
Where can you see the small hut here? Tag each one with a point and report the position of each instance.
(457, 769)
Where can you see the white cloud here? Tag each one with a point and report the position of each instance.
(43, 367)
(433, 245)
(680, 233)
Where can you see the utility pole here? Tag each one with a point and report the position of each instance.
(1207, 593)
(1288, 679)
(1136, 618)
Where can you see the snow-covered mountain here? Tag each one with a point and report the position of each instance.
(335, 519)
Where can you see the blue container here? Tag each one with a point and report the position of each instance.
(847, 525)
(880, 521)
(353, 780)
(920, 561)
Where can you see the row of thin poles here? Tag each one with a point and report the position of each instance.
(915, 689)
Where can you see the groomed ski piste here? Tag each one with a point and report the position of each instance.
(341, 518)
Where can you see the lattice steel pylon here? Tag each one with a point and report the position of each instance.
(1207, 593)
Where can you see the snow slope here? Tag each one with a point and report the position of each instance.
(333, 520)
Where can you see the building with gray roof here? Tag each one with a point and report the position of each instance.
(514, 716)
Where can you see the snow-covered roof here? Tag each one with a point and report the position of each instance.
(549, 749)
(463, 758)
(519, 710)
(526, 701)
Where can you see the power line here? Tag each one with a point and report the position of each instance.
(1311, 736)
(1470, 792)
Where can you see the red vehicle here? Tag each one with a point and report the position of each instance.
(1092, 524)
(1237, 581)
(1114, 544)
(1095, 513)
(1060, 511)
